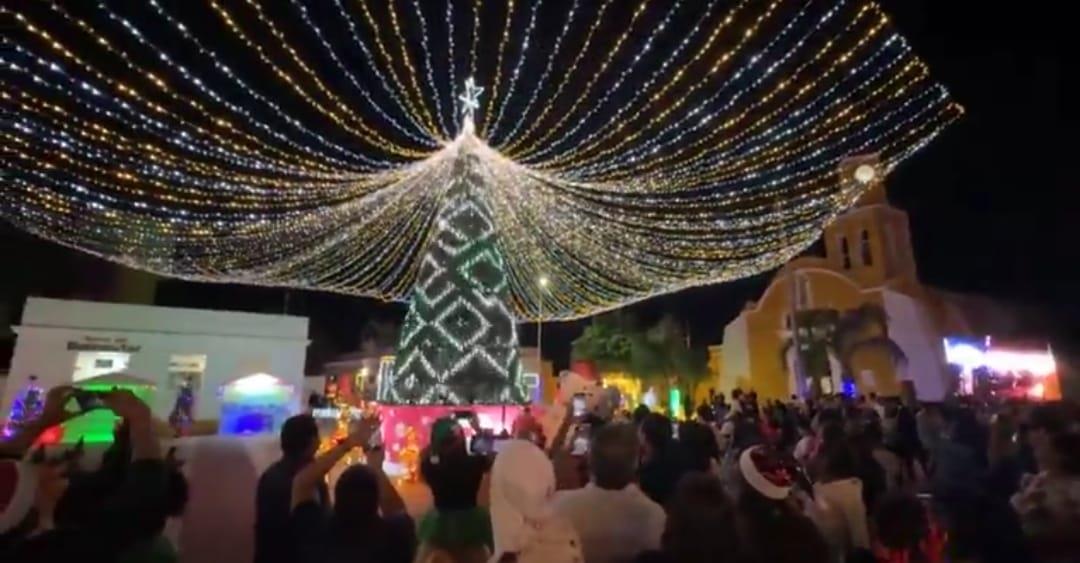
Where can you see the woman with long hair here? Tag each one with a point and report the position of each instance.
(701, 525)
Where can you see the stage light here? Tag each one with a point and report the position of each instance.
(257, 384)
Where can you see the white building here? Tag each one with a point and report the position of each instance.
(63, 342)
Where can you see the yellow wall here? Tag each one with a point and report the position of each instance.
(735, 360)
(715, 380)
(765, 325)
(752, 342)
(716, 364)
(549, 384)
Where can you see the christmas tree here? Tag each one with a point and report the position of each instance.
(459, 342)
(26, 407)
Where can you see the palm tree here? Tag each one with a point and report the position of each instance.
(671, 357)
(616, 342)
(828, 332)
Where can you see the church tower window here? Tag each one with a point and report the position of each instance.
(845, 252)
(867, 255)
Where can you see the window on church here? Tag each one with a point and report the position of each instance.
(867, 256)
(845, 252)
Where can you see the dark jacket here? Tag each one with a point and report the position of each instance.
(659, 476)
(273, 540)
(102, 517)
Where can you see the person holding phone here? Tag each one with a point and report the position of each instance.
(458, 524)
(54, 412)
(99, 516)
(368, 520)
(299, 438)
(579, 404)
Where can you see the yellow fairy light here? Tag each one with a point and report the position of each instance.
(499, 62)
(671, 147)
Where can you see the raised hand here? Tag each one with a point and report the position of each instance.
(126, 405)
(53, 412)
(363, 431)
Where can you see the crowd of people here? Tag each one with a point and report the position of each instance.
(835, 480)
(51, 509)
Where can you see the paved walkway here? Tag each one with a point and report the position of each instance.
(218, 524)
(222, 472)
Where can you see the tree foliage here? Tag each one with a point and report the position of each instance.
(616, 342)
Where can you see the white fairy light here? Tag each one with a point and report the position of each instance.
(624, 162)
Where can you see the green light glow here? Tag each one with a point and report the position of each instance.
(96, 427)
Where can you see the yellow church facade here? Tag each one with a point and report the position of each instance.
(868, 268)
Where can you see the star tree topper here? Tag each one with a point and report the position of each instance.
(470, 102)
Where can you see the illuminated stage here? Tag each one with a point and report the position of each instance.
(397, 419)
(1002, 369)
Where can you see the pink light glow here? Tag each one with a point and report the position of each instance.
(1037, 363)
(1040, 364)
(395, 418)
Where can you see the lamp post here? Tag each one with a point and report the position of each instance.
(543, 282)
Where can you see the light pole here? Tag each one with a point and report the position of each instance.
(543, 283)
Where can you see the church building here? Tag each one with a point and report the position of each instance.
(859, 314)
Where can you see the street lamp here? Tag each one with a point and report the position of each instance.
(543, 282)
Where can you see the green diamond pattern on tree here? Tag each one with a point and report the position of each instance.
(459, 342)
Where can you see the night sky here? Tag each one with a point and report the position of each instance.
(991, 209)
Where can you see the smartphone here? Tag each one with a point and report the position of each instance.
(482, 444)
(375, 441)
(578, 404)
(88, 400)
(580, 443)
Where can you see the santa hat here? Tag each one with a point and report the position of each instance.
(18, 483)
(766, 473)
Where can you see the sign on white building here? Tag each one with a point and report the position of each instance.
(63, 342)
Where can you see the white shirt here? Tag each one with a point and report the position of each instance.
(842, 516)
(725, 435)
(892, 466)
(804, 448)
(614, 525)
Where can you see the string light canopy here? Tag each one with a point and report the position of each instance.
(625, 149)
